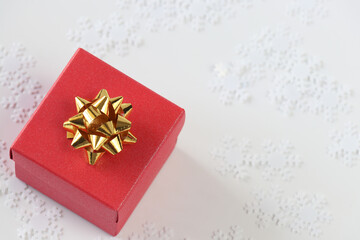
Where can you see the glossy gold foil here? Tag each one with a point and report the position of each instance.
(100, 125)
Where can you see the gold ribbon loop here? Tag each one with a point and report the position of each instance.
(100, 125)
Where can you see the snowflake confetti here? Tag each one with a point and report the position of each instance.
(293, 88)
(308, 212)
(303, 66)
(308, 11)
(234, 233)
(6, 167)
(288, 94)
(233, 158)
(232, 83)
(150, 231)
(124, 4)
(200, 13)
(300, 212)
(305, 88)
(14, 75)
(15, 190)
(23, 100)
(158, 14)
(269, 49)
(278, 160)
(280, 43)
(113, 33)
(330, 98)
(345, 145)
(89, 36)
(121, 35)
(118, 237)
(14, 63)
(41, 224)
(254, 61)
(268, 207)
(9, 187)
(39, 219)
(122, 29)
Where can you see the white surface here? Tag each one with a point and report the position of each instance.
(212, 180)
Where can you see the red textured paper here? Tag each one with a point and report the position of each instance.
(108, 192)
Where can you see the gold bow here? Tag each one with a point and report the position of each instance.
(100, 125)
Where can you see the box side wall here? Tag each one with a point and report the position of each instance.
(64, 193)
(149, 173)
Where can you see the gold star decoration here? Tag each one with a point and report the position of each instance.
(100, 125)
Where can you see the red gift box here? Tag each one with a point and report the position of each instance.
(107, 193)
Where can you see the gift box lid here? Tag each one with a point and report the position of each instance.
(43, 142)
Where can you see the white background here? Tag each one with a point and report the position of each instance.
(189, 196)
